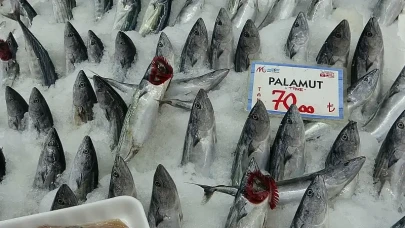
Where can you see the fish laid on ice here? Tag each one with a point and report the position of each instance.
(75, 49)
(361, 91)
(26, 10)
(190, 10)
(156, 17)
(12, 45)
(121, 182)
(247, 10)
(125, 54)
(95, 48)
(62, 11)
(387, 11)
(16, 109)
(64, 198)
(84, 99)
(164, 48)
(248, 48)
(282, 9)
(263, 7)
(298, 39)
(126, 17)
(319, 9)
(39, 112)
(101, 7)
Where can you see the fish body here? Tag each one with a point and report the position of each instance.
(101, 7)
(62, 11)
(359, 92)
(254, 142)
(64, 198)
(298, 38)
(191, 9)
(221, 52)
(313, 208)
(390, 108)
(315, 129)
(39, 112)
(84, 174)
(263, 7)
(121, 182)
(320, 9)
(27, 11)
(125, 53)
(126, 17)
(165, 206)
(282, 9)
(95, 48)
(16, 109)
(387, 11)
(247, 10)
(164, 48)
(287, 154)
(113, 105)
(369, 55)
(143, 110)
(51, 162)
(2, 165)
(75, 49)
(201, 135)
(156, 17)
(335, 51)
(248, 48)
(195, 50)
(84, 99)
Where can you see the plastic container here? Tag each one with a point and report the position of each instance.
(126, 208)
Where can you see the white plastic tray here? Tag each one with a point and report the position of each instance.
(126, 208)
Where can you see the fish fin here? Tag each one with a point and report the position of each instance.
(208, 192)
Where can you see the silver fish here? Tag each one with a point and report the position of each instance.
(247, 10)
(84, 99)
(62, 11)
(75, 49)
(13, 45)
(16, 109)
(298, 39)
(126, 17)
(283, 9)
(195, 50)
(201, 136)
(190, 10)
(313, 208)
(156, 17)
(84, 174)
(39, 112)
(165, 206)
(27, 11)
(248, 47)
(51, 162)
(387, 11)
(359, 92)
(101, 7)
(164, 48)
(263, 7)
(95, 48)
(254, 141)
(315, 129)
(125, 54)
(232, 7)
(390, 108)
(121, 182)
(320, 9)
(64, 198)
(221, 53)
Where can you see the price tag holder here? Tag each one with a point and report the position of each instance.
(317, 91)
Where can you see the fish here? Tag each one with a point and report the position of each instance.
(400, 223)
(287, 158)
(71, 3)
(389, 163)
(190, 10)
(143, 110)
(16, 109)
(39, 112)
(51, 163)
(64, 198)
(164, 48)
(185, 105)
(156, 17)
(315, 129)
(101, 7)
(84, 173)
(62, 11)
(75, 49)
(195, 50)
(254, 142)
(113, 105)
(313, 208)
(201, 135)
(13, 45)
(126, 16)
(369, 55)
(298, 38)
(10, 68)
(387, 11)
(84, 99)
(390, 108)
(121, 182)
(26, 11)
(291, 191)
(95, 48)
(320, 9)
(40, 64)
(165, 203)
(221, 52)
(282, 9)
(248, 47)
(247, 10)
(125, 54)
(2, 165)
(232, 7)
(263, 7)
(335, 51)
(359, 92)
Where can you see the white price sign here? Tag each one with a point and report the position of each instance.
(317, 91)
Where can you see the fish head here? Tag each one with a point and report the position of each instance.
(362, 90)
(15, 102)
(164, 191)
(250, 38)
(372, 38)
(198, 33)
(299, 35)
(258, 122)
(71, 35)
(103, 92)
(202, 111)
(399, 83)
(340, 175)
(5, 52)
(315, 200)
(93, 41)
(54, 153)
(37, 101)
(86, 156)
(123, 44)
(223, 26)
(397, 132)
(121, 178)
(164, 48)
(82, 89)
(160, 71)
(340, 38)
(293, 126)
(64, 198)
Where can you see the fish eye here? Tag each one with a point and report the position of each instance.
(86, 151)
(60, 201)
(296, 24)
(10, 99)
(369, 34)
(92, 42)
(246, 34)
(36, 100)
(346, 163)
(366, 79)
(219, 22)
(115, 174)
(81, 85)
(289, 121)
(196, 32)
(70, 35)
(255, 117)
(160, 44)
(122, 42)
(157, 184)
(197, 105)
(52, 143)
(338, 35)
(310, 193)
(344, 137)
(400, 125)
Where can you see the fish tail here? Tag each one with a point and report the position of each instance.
(208, 192)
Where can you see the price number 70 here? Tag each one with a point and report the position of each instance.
(284, 100)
